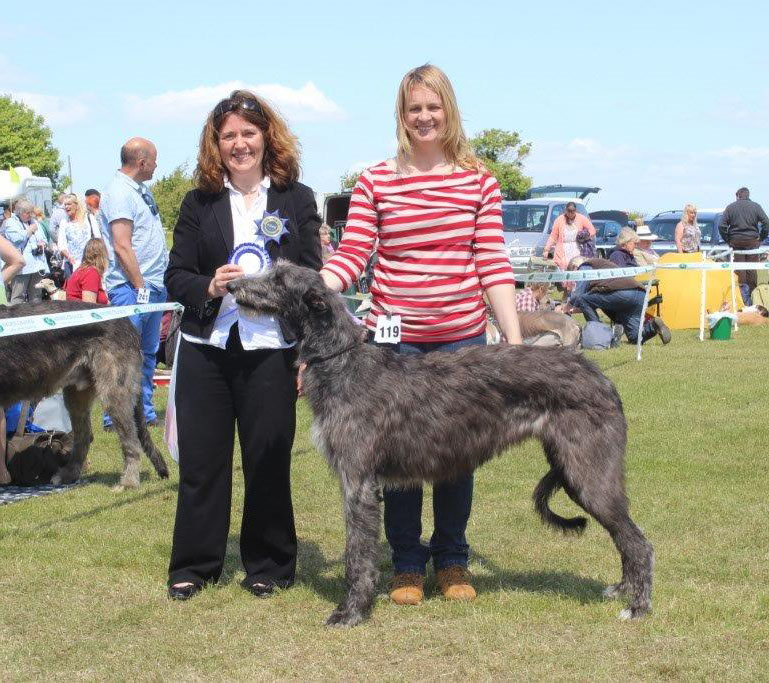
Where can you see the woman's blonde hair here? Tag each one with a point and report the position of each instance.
(456, 148)
(685, 217)
(95, 254)
(281, 147)
(626, 235)
(80, 211)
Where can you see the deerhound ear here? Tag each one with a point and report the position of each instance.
(315, 300)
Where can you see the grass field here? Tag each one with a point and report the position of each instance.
(82, 574)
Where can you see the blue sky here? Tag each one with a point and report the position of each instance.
(658, 103)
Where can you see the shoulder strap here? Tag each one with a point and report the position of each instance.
(22, 418)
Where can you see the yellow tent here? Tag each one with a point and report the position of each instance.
(680, 291)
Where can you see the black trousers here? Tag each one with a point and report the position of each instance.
(215, 389)
(746, 277)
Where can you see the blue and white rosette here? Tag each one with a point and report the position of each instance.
(251, 257)
(272, 227)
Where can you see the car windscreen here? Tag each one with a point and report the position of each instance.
(606, 230)
(666, 228)
(524, 217)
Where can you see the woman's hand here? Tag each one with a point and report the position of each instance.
(299, 383)
(224, 274)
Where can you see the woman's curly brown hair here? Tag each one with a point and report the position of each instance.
(281, 147)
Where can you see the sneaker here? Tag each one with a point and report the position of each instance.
(407, 588)
(662, 330)
(108, 428)
(454, 583)
(616, 335)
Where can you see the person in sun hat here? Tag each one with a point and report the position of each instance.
(644, 254)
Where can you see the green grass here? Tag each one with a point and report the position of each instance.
(82, 574)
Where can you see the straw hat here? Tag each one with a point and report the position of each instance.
(644, 233)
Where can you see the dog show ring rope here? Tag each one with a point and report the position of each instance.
(55, 321)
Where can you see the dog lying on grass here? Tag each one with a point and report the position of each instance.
(88, 361)
(399, 420)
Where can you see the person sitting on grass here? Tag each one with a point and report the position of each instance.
(620, 298)
(86, 282)
(533, 297)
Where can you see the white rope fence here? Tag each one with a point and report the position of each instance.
(704, 267)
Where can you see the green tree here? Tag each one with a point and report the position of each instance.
(25, 140)
(348, 180)
(637, 216)
(169, 192)
(503, 153)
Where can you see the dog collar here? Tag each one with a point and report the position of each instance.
(320, 359)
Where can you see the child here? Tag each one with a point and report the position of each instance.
(85, 283)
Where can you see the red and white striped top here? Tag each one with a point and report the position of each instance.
(439, 242)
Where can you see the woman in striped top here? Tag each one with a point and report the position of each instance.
(434, 216)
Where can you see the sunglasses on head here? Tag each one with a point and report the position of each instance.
(231, 104)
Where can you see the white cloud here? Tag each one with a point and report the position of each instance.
(58, 111)
(307, 103)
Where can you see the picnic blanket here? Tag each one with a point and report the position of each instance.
(13, 494)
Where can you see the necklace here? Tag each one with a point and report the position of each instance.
(246, 193)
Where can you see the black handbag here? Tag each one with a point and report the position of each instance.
(34, 458)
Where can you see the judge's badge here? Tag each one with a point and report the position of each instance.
(272, 227)
(251, 257)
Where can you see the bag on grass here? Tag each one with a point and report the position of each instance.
(596, 335)
(34, 458)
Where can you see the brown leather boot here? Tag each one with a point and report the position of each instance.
(454, 583)
(407, 589)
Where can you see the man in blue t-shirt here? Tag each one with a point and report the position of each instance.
(137, 249)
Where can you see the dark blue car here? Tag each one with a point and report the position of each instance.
(664, 225)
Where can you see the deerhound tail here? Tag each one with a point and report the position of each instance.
(547, 486)
(145, 439)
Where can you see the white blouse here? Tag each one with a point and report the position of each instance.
(256, 331)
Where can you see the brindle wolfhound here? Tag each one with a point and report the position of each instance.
(100, 360)
(399, 420)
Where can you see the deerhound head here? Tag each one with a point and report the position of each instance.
(299, 297)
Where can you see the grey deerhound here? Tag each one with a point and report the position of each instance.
(101, 360)
(398, 420)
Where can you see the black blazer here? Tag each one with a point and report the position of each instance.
(203, 241)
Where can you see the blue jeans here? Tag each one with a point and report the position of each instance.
(451, 504)
(622, 306)
(148, 327)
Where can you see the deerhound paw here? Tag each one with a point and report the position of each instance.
(126, 483)
(633, 613)
(614, 591)
(66, 475)
(344, 616)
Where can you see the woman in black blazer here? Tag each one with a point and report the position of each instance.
(235, 369)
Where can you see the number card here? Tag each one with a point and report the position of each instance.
(388, 329)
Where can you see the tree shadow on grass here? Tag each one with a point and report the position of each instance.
(121, 499)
